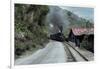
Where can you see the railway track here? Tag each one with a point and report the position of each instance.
(73, 54)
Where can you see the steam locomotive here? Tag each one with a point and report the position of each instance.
(57, 37)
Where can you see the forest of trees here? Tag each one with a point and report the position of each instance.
(30, 30)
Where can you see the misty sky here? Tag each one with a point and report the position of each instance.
(87, 13)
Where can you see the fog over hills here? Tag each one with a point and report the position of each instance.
(62, 19)
(83, 12)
